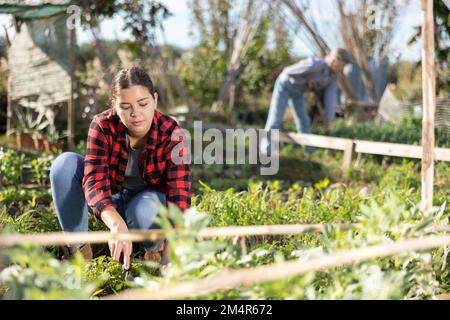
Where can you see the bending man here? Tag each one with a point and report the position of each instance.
(312, 74)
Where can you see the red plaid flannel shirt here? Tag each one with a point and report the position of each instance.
(107, 156)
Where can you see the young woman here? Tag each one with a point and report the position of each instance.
(127, 172)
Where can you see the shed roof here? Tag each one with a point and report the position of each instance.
(29, 9)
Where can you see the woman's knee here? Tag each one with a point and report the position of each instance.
(67, 164)
(143, 209)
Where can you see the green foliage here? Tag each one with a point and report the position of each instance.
(31, 220)
(36, 275)
(29, 122)
(142, 19)
(263, 65)
(11, 167)
(53, 135)
(384, 205)
(201, 71)
(39, 170)
(13, 196)
(404, 177)
(383, 200)
(407, 77)
(111, 274)
(406, 275)
(80, 148)
(188, 254)
(408, 131)
(13, 163)
(268, 205)
(441, 14)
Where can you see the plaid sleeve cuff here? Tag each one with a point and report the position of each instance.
(102, 205)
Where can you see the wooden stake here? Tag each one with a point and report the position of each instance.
(70, 105)
(348, 154)
(242, 242)
(429, 103)
(9, 107)
(283, 270)
(64, 238)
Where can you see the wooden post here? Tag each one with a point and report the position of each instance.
(9, 109)
(9, 112)
(348, 154)
(70, 105)
(243, 245)
(429, 103)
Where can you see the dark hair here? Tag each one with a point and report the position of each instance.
(129, 77)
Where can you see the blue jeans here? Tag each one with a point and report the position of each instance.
(284, 93)
(138, 209)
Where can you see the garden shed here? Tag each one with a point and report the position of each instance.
(40, 83)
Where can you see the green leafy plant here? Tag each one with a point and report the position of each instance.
(53, 135)
(406, 131)
(29, 123)
(11, 167)
(385, 213)
(39, 170)
(36, 275)
(111, 273)
(14, 196)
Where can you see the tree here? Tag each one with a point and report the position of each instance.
(234, 66)
(249, 23)
(93, 13)
(228, 28)
(144, 19)
(141, 18)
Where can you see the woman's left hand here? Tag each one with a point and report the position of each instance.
(121, 247)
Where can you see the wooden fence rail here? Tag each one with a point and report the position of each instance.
(240, 278)
(361, 146)
(348, 146)
(64, 238)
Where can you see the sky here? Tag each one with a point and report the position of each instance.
(178, 29)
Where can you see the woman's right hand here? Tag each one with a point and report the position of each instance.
(117, 247)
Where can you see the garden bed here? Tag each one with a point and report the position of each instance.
(380, 196)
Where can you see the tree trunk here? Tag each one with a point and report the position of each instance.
(71, 102)
(250, 22)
